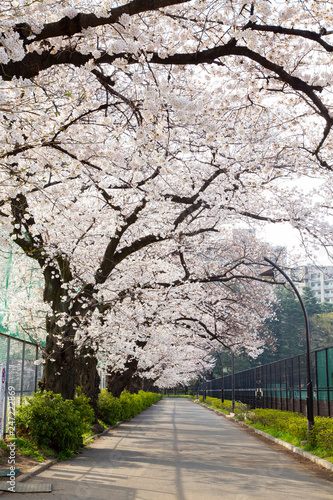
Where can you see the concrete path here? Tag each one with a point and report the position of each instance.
(178, 450)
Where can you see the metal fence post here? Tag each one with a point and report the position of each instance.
(6, 389)
(22, 372)
(36, 369)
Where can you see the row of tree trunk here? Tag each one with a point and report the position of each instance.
(68, 370)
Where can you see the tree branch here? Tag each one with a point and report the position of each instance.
(111, 258)
(69, 27)
(310, 35)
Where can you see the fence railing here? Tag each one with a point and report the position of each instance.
(21, 374)
(17, 359)
(281, 385)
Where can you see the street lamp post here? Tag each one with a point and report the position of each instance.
(309, 386)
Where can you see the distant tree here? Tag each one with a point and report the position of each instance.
(287, 331)
(321, 327)
(326, 307)
(288, 325)
(286, 328)
(321, 319)
(311, 303)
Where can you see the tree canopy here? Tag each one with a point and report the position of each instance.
(137, 140)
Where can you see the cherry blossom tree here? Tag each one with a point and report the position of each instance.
(134, 136)
(219, 292)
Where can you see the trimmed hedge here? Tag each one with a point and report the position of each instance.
(283, 421)
(296, 425)
(109, 408)
(322, 433)
(112, 409)
(240, 408)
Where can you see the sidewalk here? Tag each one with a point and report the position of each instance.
(177, 450)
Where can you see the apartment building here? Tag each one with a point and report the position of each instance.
(319, 279)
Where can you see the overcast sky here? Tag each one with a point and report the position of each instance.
(285, 235)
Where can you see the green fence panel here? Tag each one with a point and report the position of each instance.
(322, 376)
(330, 371)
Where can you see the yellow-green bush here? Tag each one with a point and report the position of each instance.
(109, 408)
(322, 433)
(283, 421)
(112, 409)
(290, 426)
(129, 405)
(216, 403)
(296, 424)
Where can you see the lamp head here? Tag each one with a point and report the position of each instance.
(267, 273)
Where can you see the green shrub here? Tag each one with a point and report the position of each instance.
(52, 422)
(322, 433)
(109, 407)
(127, 406)
(214, 402)
(149, 398)
(283, 421)
(240, 409)
(81, 404)
(146, 399)
(292, 427)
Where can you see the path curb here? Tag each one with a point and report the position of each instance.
(101, 433)
(291, 447)
(35, 470)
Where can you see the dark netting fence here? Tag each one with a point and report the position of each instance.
(281, 385)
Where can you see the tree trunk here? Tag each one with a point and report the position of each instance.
(139, 383)
(118, 382)
(59, 375)
(88, 377)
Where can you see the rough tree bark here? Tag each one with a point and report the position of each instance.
(87, 376)
(120, 381)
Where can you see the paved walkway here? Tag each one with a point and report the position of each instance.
(177, 450)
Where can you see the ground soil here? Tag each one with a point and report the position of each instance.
(22, 462)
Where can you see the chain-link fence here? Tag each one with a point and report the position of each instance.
(281, 385)
(19, 373)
